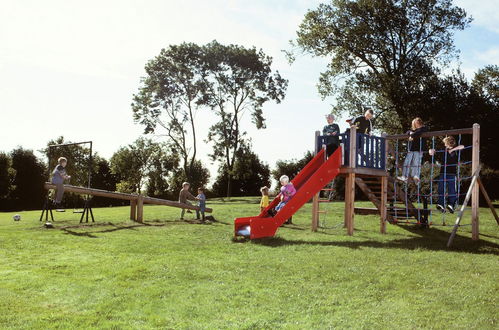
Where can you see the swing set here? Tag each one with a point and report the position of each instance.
(366, 165)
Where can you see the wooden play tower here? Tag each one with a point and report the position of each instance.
(364, 164)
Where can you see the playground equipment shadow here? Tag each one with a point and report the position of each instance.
(431, 239)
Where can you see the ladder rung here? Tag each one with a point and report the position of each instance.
(327, 189)
(321, 212)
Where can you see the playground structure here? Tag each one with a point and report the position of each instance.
(362, 160)
(136, 201)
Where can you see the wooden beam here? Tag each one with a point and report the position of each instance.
(475, 165)
(158, 201)
(487, 199)
(434, 133)
(366, 210)
(359, 171)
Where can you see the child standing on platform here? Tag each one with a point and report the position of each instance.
(201, 203)
(332, 132)
(416, 146)
(264, 202)
(58, 177)
(447, 177)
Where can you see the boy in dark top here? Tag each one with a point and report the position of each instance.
(415, 147)
(364, 126)
(448, 170)
(363, 123)
(332, 132)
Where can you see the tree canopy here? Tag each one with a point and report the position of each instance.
(381, 52)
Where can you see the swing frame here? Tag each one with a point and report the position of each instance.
(86, 211)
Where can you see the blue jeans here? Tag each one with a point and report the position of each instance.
(412, 164)
(447, 182)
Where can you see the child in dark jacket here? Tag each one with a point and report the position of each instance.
(415, 148)
(332, 133)
(447, 177)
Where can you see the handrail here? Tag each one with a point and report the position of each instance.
(433, 133)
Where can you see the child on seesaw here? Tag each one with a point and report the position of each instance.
(201, 203)
(184, 197)
(447, 177)
(58, 176)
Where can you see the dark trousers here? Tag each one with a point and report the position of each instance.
(447, 182)
(330, 148)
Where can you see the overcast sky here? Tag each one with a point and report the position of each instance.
(71, 67)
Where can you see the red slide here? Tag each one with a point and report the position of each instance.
(311, 179)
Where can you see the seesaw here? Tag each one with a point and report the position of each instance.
(136, 201)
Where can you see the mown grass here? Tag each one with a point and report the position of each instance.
(170, 274)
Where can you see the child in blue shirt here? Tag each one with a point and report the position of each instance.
(201, 203)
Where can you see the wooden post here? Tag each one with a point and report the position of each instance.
(140, 209)
(349, 202)
(315, 199)
(475, 230)
(133, 209)
(353, 147)
(384, 193)
(350, 182)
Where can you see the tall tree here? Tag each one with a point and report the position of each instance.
(135, 162)
(250, 174)
(5, 175)
(28, 192)
(486, 83)
(169, 97)
(239, 80)
(386, 49)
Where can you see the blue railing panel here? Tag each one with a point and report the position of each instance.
(370, 150)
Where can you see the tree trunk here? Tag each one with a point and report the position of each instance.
(229, 181)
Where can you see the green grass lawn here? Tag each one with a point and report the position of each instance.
(115, 273)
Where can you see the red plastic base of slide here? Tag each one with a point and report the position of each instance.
(311, 179)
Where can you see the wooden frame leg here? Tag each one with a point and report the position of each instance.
(140, 209)
(383, 213)
(133, 210)
(349, 202)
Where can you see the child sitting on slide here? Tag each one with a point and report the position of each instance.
(264, 202)
(58, 177)
(287, 191)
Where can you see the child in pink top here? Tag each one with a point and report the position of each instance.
(287, 191)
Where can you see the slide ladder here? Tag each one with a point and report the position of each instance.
(311, 179)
